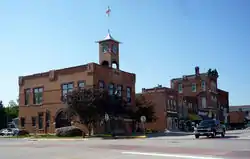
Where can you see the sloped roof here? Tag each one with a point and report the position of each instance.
(108, 37)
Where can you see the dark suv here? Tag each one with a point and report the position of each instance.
(209, 128)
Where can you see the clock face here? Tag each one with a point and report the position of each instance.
(114, 49)
(104, 48)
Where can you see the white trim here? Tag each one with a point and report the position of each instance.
(169, 155)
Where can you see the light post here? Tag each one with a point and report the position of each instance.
(54, 124)
(143, 120)
(106, 118)
(35, 131)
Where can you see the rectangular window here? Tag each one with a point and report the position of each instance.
(180, 88)
(214, 98)
(172, 85)
(174, 102)
(203, 102)
(38, 95)
(40, 121)
(26, 96)
(22, 121)
(193, 87)
(101, 84)
(67, 87)
(81, 84)
(33, 121)
(111, 89)
(119, 90)
(213, 86)
(203, 85)
(128, 94)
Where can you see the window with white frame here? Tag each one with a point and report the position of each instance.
(180, 88)
(193, 87)
(203, 102)
(111, 89)
(172, 85)
(128, 94)
(119, 90)
(203, 85)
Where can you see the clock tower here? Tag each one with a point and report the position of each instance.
(109, 52)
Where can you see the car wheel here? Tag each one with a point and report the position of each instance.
(213, 135)
(197, 136)
(223, 134)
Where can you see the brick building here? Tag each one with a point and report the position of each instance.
(203, 87)
(239, 113)
(41, 94)
(165, 101)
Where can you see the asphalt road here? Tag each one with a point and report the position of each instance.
(234, 146)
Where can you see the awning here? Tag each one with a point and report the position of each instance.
(194, 117)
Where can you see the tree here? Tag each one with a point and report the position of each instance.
(2, 116)
(91, 105)
(12, 110)
(1, 104)
(81, 103)
(143, 107)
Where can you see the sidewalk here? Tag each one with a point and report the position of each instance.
(178, 132)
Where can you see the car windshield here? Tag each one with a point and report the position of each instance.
(207, 123)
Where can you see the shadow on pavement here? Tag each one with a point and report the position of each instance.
(168, 134)
(234, 133)
(219, 137)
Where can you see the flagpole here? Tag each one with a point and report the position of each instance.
(108, 11)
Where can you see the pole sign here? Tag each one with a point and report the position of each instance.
(143, 119)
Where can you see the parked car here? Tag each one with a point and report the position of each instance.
(209, 128)
(7, 132)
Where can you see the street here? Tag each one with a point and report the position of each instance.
(235, 145)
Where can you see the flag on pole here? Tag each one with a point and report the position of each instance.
(108, 11)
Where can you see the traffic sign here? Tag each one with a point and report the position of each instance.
(106, 117)
(143, 119)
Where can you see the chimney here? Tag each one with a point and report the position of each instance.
(197, 71)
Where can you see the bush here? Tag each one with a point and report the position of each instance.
(69, 131)
(23, 133)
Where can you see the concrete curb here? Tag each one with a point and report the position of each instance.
(48, 139)
(87, 138)
(126, 137)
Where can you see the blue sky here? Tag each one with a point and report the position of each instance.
(162, 39)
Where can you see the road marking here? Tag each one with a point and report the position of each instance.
(169, 155)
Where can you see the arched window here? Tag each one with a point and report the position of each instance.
(114, 65)
(105, 63)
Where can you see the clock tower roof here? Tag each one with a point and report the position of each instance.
(107, 38)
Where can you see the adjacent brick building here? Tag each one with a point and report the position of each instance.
(239, 114)
(202, 86)
(165, 101)
(41, 94)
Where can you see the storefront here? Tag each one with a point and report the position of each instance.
(172, 120)
(207, 114)
(194, 117)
